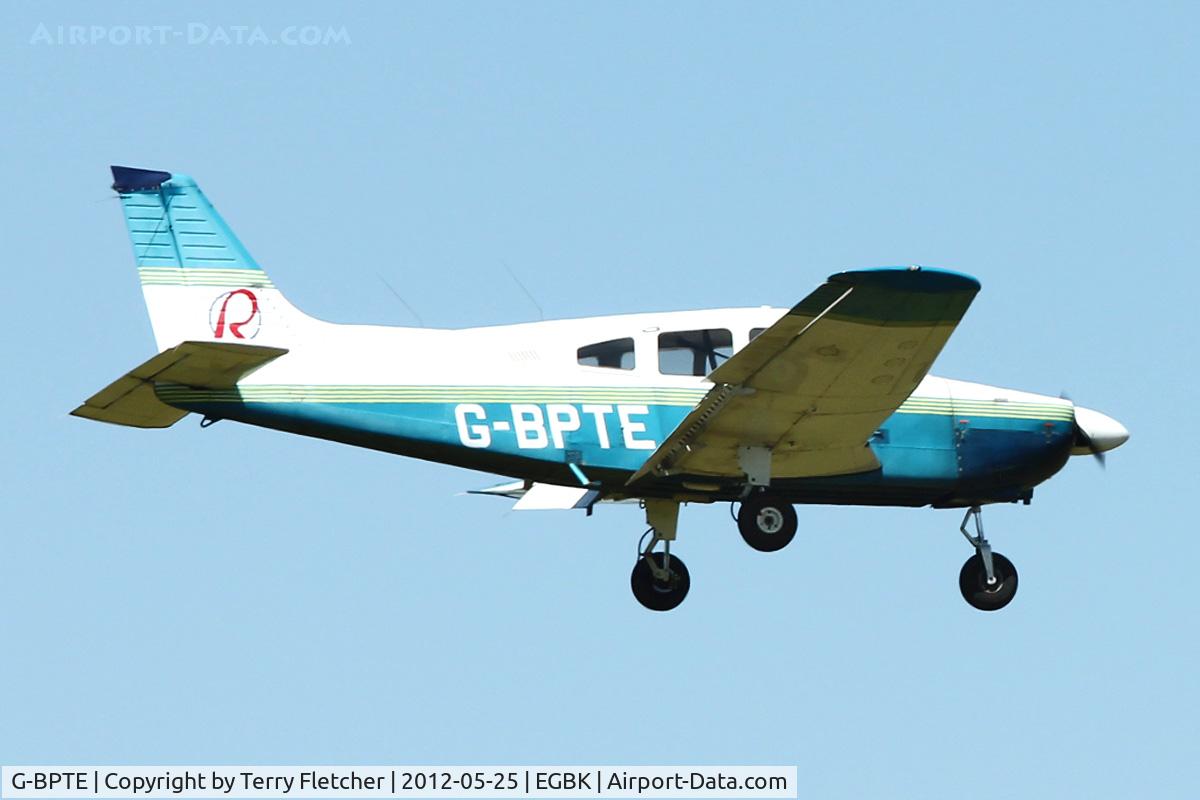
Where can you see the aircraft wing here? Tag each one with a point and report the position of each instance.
(805, 396)
(131, 400)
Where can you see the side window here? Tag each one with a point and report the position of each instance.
(615, 353)
(755, 333)
(693, 352)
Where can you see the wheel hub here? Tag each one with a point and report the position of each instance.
(769, 520)
(665, 586)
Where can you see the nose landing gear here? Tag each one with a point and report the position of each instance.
(988, 580)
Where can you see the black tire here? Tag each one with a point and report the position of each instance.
(767, 523)
(972, 581)
(657, 595)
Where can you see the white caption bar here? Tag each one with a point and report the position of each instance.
(146, 783)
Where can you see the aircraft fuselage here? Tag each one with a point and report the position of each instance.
(532, 409)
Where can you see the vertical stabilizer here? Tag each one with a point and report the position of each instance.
(200, 282)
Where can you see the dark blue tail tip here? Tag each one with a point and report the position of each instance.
(132, 179)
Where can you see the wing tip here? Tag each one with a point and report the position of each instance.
(910, 279)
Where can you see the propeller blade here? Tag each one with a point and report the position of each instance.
(1096, 433)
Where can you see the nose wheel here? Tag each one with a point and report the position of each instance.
(985, 594)
(988, 581)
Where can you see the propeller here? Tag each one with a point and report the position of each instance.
(1095, 433)
(1084, 442)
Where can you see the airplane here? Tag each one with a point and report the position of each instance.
(829, 401)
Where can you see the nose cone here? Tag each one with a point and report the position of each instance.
(1100, 432)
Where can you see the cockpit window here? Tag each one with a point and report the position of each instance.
(755, 333)
(693, 352)
(615, 354)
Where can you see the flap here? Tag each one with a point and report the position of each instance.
(546, 496)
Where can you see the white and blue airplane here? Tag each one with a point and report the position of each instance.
(830, 401)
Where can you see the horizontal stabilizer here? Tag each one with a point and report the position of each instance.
(131, 400)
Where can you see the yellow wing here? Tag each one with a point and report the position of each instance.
(803, 398)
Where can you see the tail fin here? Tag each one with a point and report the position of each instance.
(199, 281)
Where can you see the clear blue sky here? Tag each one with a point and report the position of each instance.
(234, 595)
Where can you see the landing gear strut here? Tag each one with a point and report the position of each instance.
(988, 581)
(659, 580)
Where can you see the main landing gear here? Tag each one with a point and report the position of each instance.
(766, 523)
(988, 580)
(660, 580)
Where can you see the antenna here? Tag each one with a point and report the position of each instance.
(516, 280)
(392, 289)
